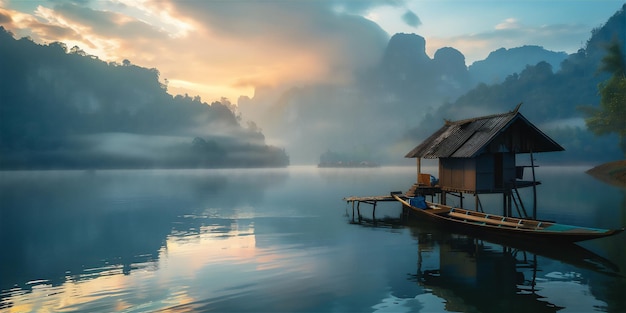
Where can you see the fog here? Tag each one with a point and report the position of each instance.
(349, 89)
(370, 113)
(399, 100)
(72, 110)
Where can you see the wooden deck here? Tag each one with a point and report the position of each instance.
(424, 190)
(416, 189)
(369, 199)
(372, 200)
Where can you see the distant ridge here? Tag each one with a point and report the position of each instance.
(504, 62)
(551, 97)
(613, 173)
(63, 109)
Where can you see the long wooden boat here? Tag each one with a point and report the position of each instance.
(476, 222)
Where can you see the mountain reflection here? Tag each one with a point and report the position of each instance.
(70, 226)
(276, 240)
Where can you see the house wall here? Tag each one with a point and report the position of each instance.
(510, 173)
(477, 174)
(457, 174)
(486, 172)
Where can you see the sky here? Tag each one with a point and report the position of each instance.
(228, 48)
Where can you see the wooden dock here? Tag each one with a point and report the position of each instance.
(372, 200)
(424, 190)
(417, 189)
(369, 199)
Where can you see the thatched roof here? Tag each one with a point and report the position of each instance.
(510, 132)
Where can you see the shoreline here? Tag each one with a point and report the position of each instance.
(613, 173)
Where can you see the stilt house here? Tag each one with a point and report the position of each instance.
(478, 155)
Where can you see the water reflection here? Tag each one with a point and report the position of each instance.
(60, 230)
(273, 240)
(473, 275)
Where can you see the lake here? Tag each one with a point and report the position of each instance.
(283, 240)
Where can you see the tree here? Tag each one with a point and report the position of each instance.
(77, 50)
(610, 116)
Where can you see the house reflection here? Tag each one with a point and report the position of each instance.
(475, 275)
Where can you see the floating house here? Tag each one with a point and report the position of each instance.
(478, 156)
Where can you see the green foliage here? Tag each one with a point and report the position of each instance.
(552, 99)
(61, 109)
(614, 62)
(610, 116)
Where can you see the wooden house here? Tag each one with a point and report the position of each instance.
(478, 155)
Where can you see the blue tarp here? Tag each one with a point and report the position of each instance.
(418, 202)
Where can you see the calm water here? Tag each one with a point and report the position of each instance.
(282, 240)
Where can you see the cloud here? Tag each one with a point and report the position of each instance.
(103, 23)
(362, 6)
(509, 23)
(286, 41)
(5, 18)
(411, 19)
(232, 46)
(26, 25)
(81, 2)
(99, 32)
(49, 32)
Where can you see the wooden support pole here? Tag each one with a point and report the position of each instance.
(419, 170)
(509, 204)
(504, 210)
(476, 202)
(353, 210)
(374, 212)
(532, 167)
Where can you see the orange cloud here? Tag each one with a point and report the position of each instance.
(224, 48)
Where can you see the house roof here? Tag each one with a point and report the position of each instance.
(510, 132)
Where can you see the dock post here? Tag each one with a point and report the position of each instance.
(374, 212)
(353, 210)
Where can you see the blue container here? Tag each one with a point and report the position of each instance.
(418, 202)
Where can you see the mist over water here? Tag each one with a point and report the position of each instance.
(326, 79)
(282, 240)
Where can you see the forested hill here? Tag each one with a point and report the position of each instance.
(66, 109)
(550, 98)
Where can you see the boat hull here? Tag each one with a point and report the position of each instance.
(477, 224)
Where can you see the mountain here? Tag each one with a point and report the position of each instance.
(503, 62)
(550, 96)
(72, 110)
(408, 75)
(406, 95)
(368, 113)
